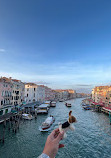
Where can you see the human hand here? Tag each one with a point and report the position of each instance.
(52, 144)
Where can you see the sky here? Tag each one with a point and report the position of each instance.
(60, 43)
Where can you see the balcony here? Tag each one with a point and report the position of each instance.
(7, 96)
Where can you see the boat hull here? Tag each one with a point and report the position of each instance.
(43, 128)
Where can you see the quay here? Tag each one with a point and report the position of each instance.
(97, 107)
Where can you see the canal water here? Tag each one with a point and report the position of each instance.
(91, 138)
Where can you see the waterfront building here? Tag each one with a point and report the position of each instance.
(102, 94)
(72, 94)
(17, 92)
(41, 93)
(30, 92)
(65, 94)
(49, 94)
(34, 92)
(5, 92)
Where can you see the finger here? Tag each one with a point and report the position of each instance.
(59, 137)
(61, 145)
(54, 132)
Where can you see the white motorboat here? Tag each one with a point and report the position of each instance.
(68, 104)
(53, 104)
(27, 116)
(47, 123)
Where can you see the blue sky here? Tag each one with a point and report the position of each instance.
(61, 43)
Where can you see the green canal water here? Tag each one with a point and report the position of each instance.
(91, 138)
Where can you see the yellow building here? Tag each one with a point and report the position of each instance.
(102, 94)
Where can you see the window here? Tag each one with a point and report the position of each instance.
(2, 93)
(1, 112)
(34, 89)
(6, 111)
(34, 94)
(2, 102)
(27, 89)
(27, 95)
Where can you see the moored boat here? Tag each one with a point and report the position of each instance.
(87, 107)
(27, 116)
(42, 109)
(47, 123)
(48, 103)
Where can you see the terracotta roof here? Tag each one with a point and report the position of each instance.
(32, 84)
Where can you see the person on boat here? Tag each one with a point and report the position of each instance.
(52, 144)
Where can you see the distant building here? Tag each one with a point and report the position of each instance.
(65, 94)
(49, 93)
(82, 95)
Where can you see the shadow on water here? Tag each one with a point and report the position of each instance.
(91, 138)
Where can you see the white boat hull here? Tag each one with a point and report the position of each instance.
(27, 116)
(47, 124)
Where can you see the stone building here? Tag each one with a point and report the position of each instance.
(6, 87)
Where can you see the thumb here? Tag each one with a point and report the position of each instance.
(60, 136)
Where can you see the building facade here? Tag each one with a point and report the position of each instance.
(30, 92)
(6, 87)
(17, 92)
(102, 94)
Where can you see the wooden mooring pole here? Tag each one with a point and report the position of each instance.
(4, 126)
(110, 117)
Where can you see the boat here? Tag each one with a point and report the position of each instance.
(68, 104)
(53, 104)
(27, 116)
(48, 103)
(87, 107)
(61, 100)
(47, 123)
(42, 109)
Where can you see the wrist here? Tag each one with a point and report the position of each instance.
(43, 156)
(47, 153)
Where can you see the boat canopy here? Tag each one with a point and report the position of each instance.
(48, 120)
(43, 106)
(53, 102)
(25, 114)
(47, 102)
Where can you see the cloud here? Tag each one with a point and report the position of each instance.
(41, 82)
(63, 75)
(2, 50)
(83, 85)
